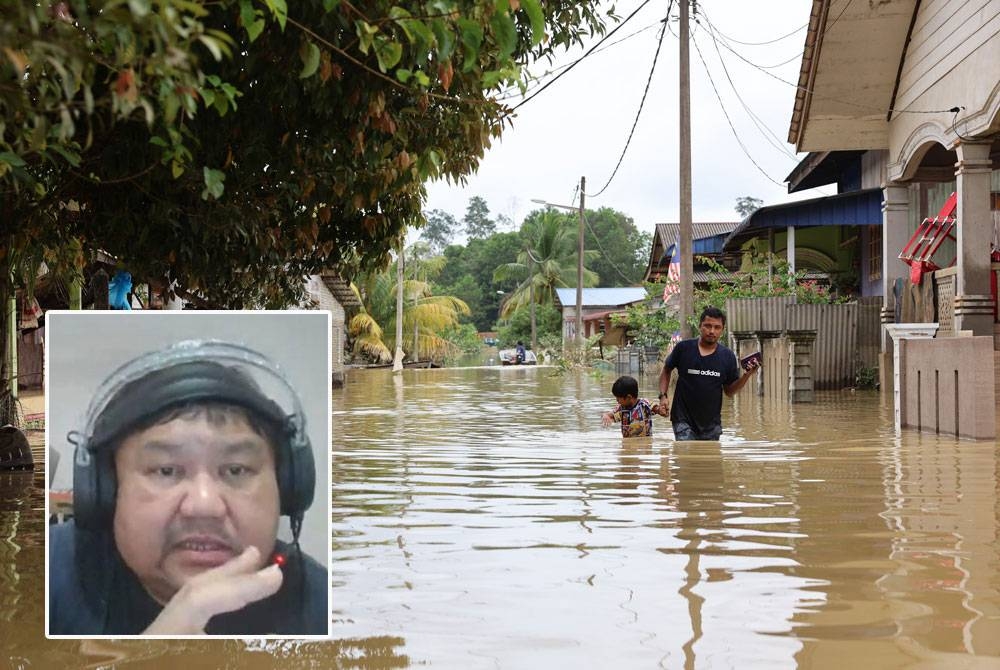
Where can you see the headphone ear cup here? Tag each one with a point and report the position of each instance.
(296, 475)
(94, 488)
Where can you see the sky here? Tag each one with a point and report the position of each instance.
(578, 126)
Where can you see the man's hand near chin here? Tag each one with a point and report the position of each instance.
(229, 587)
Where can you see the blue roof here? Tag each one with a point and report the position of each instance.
(602, 297)
(856, 208)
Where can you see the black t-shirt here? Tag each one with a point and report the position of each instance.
(92, 592)
(697, 399)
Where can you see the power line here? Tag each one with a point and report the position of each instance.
(509, 92)
(881, 110)
(601, 247)
(642, 102)
(760, 44)
(765, 130)
(577, 62)
(722, 106)
(761, 126)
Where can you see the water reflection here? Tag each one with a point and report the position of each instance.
(483, 518)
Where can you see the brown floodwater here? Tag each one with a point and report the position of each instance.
(483, 518)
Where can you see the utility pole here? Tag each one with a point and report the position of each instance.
(579, 273)
(685, 241)
(397, 361)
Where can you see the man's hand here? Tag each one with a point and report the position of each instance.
(663, 407)
(607, 419)
(227, 588)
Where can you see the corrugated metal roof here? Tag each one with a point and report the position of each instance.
(340, 288)
(669, 232)
(602, 297)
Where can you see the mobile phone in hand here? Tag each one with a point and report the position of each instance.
(747, 362)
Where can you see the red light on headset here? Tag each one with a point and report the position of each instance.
(279, 560)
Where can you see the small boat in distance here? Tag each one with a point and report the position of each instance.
(509, 357)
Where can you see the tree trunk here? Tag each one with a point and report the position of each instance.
(8, 401)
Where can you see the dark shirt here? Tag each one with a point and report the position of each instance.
(99, 595)
(697, 399)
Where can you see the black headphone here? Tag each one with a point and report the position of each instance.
(187, 373)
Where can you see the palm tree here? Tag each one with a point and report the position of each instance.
(424, 316)
(546, 262)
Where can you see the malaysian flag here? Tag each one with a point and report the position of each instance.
(673, 285)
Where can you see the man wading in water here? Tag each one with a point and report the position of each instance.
(705, 369)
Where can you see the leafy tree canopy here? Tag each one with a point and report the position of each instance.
(548, 322)
(228, 149)
(477, 260)
(478, 224)
(747, 205)
(439, 230)
(624, 249)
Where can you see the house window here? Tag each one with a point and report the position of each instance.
(874, 253)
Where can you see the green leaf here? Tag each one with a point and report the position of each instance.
(176, 169)
(366, 34)
(445, 39)
(472, 38)
(254, 29)
(505, 33)
(534, 10)
(215, 183)
(387, 52)
(12, 159)
(212, 46)
(330, 5)
(309, 53)
(397, 14)
(71, 157)
(280, 11)
(139, 8)
(422, 78)
(491, 78)
(403, 75)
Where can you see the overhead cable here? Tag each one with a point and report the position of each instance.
(642, 102)
(577, 62)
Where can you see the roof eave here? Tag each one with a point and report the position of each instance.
(807, 71)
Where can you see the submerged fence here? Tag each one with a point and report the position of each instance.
(846, 335)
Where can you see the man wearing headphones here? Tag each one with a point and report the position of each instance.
(179, 481)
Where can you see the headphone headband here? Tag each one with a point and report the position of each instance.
(189, 371)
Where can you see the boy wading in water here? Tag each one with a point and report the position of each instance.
(635, 413)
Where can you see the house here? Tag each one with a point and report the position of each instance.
(329, 291)
(707, 240)
(597, 307)
(917, 83)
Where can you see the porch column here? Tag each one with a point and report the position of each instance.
(895, 235)
(801, 382)
(790, 249)
(973, 303)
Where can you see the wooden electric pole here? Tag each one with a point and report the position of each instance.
(685, 241)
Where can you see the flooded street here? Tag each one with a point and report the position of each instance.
(483, 518)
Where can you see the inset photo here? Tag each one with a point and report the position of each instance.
(191, 495)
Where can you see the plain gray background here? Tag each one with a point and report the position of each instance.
(83, 348)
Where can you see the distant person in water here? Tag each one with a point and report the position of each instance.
(634, 413)
(519, 354)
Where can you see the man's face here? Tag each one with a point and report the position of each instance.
(711, 329)
(193, 492)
